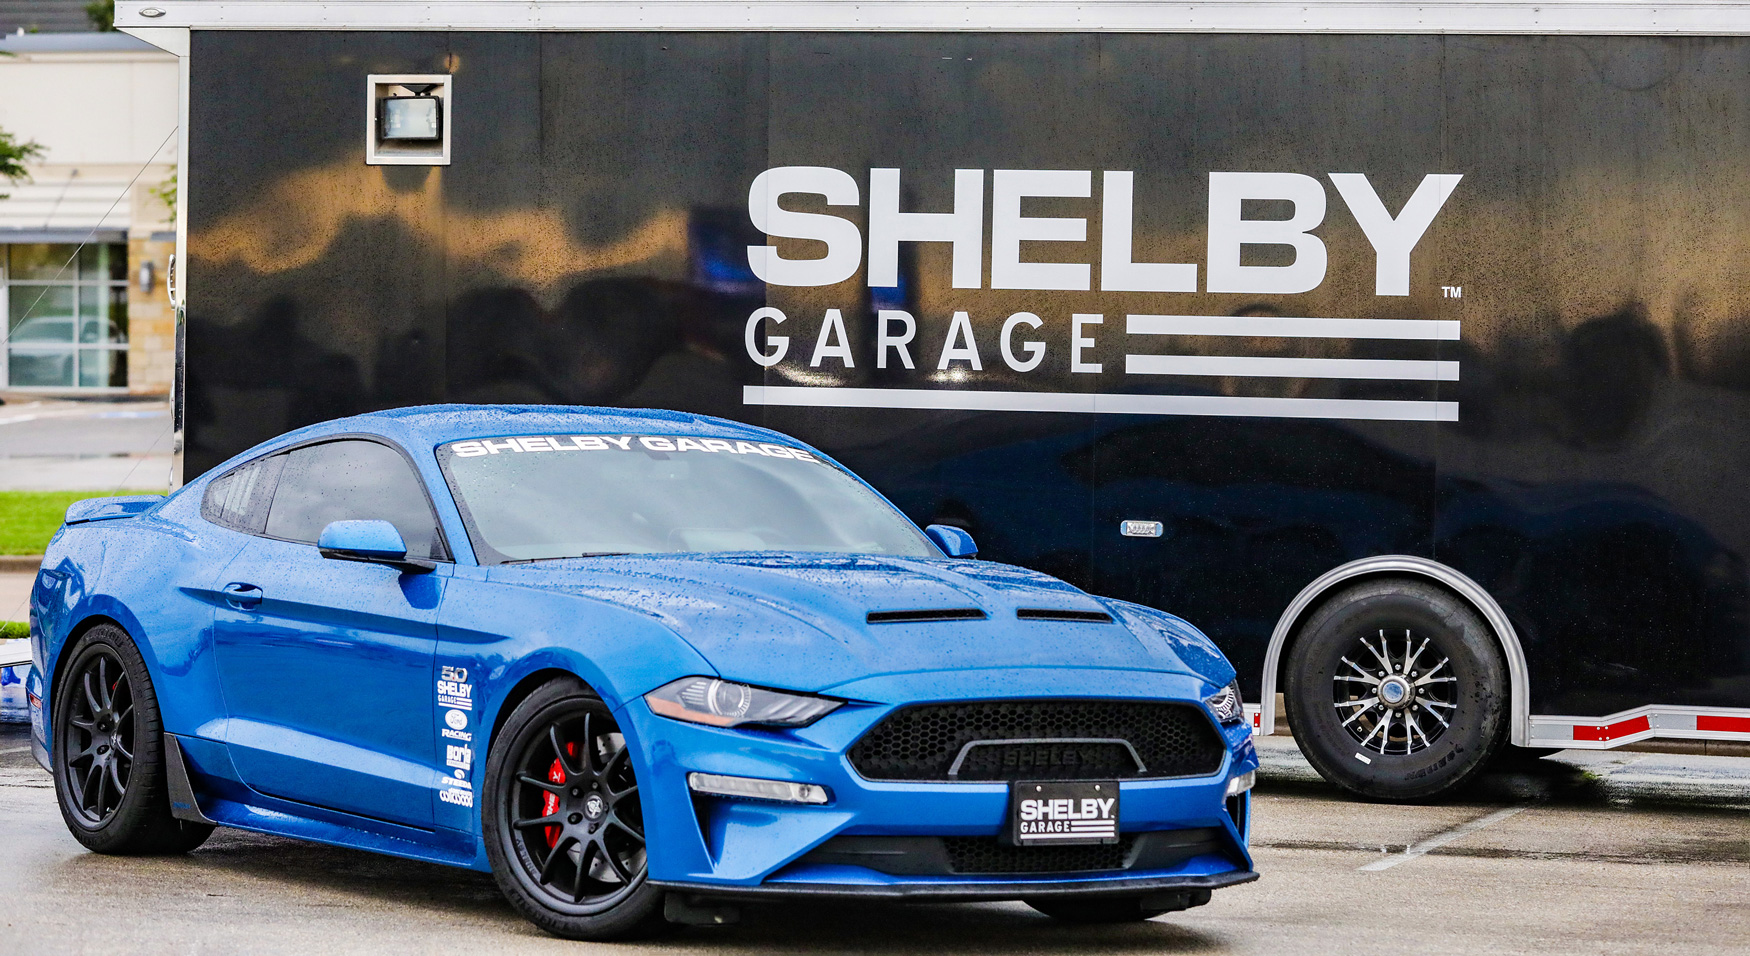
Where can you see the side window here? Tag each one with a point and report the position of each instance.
(352, 479)
(238, 499)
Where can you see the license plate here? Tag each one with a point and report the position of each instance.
(1057, 813)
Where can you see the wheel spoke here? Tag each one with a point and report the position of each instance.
(1369, 702)
(1426, 678)
(96, 793)
(612, 765)
(613, 859)
(1382, 725)
(1415, 729)
(1410, 661)
(615, 796)
(115, 779)
(635, 834)
(1369, 681)
(126, 754)
(547, 785)
(583, 858)
(1383, 663)
(551, 820)
(91, 696)
(548, 866)
(1361, 670)
(1435, 715)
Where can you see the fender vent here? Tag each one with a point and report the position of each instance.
(926, 614)
(1062, 614)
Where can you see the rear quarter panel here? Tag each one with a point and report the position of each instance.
(153, 575)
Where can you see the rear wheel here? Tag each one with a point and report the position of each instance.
(1397, 691)
(110, 778)
(564, 826)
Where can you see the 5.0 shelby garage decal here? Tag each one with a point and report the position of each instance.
(1020, 345)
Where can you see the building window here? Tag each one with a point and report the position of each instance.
(67, 315)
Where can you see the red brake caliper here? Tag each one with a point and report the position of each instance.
(550, 801)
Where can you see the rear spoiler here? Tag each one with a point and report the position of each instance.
(102, 509)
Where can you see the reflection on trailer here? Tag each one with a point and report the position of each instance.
(1413, 367)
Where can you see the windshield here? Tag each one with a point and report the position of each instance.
(556, 496)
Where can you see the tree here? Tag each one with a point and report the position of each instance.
(101, 13)
(13, 156)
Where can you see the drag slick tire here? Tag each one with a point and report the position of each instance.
(1397, 691)
(110, 778)
(564, 830)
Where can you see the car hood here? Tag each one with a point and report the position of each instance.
(802, 621)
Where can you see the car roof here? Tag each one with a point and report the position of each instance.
(430, 425)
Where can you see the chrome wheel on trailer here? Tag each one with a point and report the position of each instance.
(1393, 694)
(1396, 690)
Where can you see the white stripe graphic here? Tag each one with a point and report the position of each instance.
(1430, 330)
(1275, 367)
(1353, 409)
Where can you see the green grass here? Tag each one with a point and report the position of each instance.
(28, 519)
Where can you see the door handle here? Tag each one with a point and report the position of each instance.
(242, 596)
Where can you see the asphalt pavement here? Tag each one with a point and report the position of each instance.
(1585, 853)
(102, 447)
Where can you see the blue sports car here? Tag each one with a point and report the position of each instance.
(639, 665)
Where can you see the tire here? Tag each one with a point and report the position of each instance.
(1457, 698)
(1118, 909)
(110, 779)
(585, 874)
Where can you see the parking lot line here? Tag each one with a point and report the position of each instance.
(1441, 839)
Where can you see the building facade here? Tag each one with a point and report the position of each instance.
(85, 241)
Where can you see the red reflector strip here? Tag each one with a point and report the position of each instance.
(1612, 731)
(1735, 725)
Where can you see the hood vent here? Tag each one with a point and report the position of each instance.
(926, 614)
(1062, 614)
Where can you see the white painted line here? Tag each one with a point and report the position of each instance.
(1278, 326)
(1355, 409)
(8, 751)
(1441, 839)
(1413, 370)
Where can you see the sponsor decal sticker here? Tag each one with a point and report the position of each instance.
(461, 798)
(456, 719)
(453, 689)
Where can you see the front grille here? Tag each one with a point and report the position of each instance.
(971, 855)
(923, 741)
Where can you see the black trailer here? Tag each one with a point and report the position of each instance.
(1403, 348)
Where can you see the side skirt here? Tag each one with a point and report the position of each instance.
(275, 817)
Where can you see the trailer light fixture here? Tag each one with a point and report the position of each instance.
(408, 119)
(754, 788)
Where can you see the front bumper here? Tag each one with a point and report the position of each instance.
(966, 892)
(714, 847)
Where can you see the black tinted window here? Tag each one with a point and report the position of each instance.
(239, 498)
(342, 480)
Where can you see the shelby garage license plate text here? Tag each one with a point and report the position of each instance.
(1064, 813)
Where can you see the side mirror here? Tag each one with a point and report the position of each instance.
(954, 542)
(372, 542)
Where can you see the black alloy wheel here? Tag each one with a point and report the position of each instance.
(110, 776)
(1397, 690)
(97, 747)
(565, 829)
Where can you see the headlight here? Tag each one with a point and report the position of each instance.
(1227, 705)
(722, 703)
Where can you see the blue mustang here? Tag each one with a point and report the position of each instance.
(638, 665)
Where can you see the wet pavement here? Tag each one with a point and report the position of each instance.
(1583, 853)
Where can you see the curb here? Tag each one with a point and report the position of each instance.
(20, 563)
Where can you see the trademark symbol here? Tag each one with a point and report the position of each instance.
(1452, 291)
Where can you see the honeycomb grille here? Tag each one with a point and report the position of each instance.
(922, 742)
(974, 855)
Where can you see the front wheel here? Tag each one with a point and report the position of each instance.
(1397, 691)
(564, 826)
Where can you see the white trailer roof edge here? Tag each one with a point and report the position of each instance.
(1587, 17)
